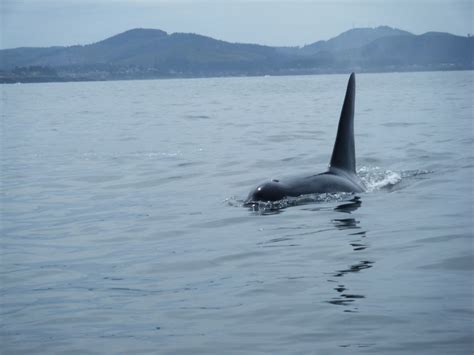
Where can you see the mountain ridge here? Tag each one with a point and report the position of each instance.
(354, 38)
(152, 53)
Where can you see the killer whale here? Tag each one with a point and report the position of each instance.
(341, 175)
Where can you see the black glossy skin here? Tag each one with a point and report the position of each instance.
(334, 180)
(340, 177)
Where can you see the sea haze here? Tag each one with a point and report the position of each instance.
(123, 229)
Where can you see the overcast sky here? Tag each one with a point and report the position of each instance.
(297, 22)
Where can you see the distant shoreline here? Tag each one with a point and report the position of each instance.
(12, 81)
(139, 54)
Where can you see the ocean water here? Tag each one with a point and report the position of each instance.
(123, 230)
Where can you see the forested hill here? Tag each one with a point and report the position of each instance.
(151, 53)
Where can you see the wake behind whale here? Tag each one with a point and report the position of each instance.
(341, 175)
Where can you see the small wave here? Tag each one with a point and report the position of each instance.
(134, 155)
(233, 202)
(375, 178)
(414, 173)
(198, 117)
(273, 207)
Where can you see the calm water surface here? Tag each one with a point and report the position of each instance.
(123, 229)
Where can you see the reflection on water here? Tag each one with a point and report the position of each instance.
(351, 206)
(345, 223)
(358, 243)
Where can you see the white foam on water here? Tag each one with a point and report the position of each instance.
(375, 178)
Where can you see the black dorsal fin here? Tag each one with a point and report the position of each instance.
(343, 154)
